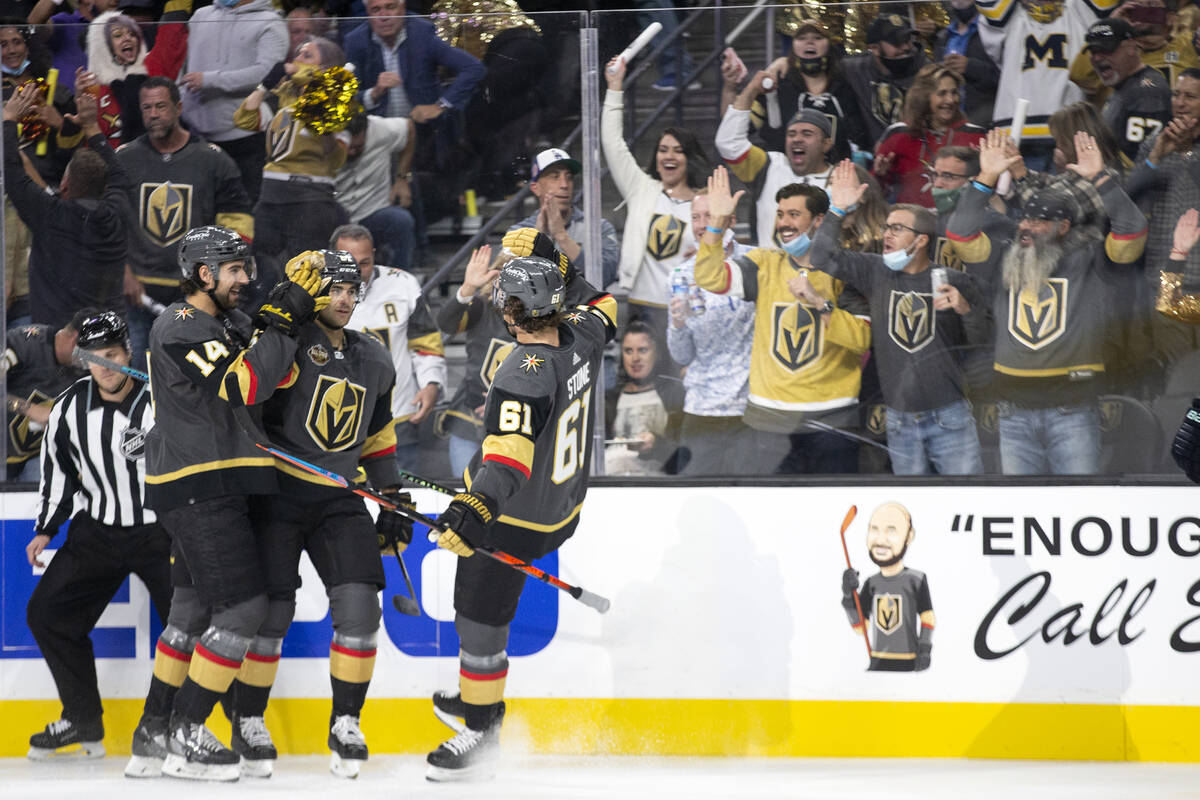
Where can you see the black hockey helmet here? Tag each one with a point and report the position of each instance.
(213, 245)
(104, 329)
(340, 267)
(533, 280)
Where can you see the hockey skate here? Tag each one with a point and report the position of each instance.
(149, 748)
(64, 739)
(450, 709)
(348, 746)
(195, 754)
(469, 756)
(252, 743)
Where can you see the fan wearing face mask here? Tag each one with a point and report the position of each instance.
(881, 77)
(810, 333)
(921, 335)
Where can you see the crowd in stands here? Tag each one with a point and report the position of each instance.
(915, 286)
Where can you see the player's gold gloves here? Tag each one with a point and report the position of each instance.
(532, 242)
(308, 261)
(465, 523)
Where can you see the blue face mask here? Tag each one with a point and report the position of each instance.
(797, 247)
(897, 259)
(18, 70)
(229, 3)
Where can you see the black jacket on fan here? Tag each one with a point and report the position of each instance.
(78, 253)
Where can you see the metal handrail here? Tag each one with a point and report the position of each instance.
(674, 97)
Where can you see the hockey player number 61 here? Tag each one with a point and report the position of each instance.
(569, 450)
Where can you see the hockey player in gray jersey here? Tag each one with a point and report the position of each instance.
(525, 488)
(201, 474)
(331, 406)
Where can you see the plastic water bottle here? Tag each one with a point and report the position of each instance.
(679, 284)
(696, 301)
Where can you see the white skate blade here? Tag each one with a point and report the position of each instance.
(256, 769)
(176, 766)
(344, 767)
(71, 752)
(483, 771)
(449, 720)
(144, 767)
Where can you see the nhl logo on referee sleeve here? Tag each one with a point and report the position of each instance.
(133, 443)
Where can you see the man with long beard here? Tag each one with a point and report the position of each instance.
(896, 600)
(1056, 304)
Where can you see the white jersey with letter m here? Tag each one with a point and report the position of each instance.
(1035, 56)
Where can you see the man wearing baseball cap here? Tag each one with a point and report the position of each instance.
(552, 181)
(808, 140)
(1140, 104)
(1058, 302)
(881, 77)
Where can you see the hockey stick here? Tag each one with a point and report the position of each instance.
(87, 356)
(425, 483)
(850, 515)
(405, 605)
(597, 602)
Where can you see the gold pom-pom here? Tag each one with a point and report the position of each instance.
(328, 103)
(31, 125)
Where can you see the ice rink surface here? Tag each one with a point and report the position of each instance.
(630, 778)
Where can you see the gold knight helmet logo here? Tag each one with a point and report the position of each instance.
(497, 351)
(165, 211)
(911, 319)
(336, 412)
(1037, 319)
(889, 614)
(796, 339)
(665, 236)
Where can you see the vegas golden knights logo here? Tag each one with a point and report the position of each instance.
(281, 136)
(1111, 413)
(911, 319)
(384, 335)
(887, 102)
(1037, 320)
(945, 255)
(497, 351)
(795, 335)
(23, 441)
(336, 412)
(889, 612)
(165, 211)
(989, 417)
(665, 237)
(877, 419)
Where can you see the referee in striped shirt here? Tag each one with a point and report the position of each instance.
(93, 472)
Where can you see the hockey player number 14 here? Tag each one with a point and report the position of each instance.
(215, 352)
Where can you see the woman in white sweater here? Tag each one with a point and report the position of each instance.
(658, 217)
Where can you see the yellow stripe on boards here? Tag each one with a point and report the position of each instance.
(711, 728)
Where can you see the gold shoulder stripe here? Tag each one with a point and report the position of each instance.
(430, 344)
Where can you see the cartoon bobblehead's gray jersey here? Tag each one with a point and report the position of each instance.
(896, 608)
(538, 420)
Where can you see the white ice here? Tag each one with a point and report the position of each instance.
(527, 777)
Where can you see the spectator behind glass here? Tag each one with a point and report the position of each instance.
(809, 77)
(118, 64)
(881, 77)
(711, 335)
(374, 184)
(804, 158)
(1051, 372)
(1140, 103)
(959, 47)
(79, 236)
(553, 184)
(296, 210)
(20, 64)
(658, 220)
(233, 45)
(67, 30)
(643, 409)
(933, 119)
